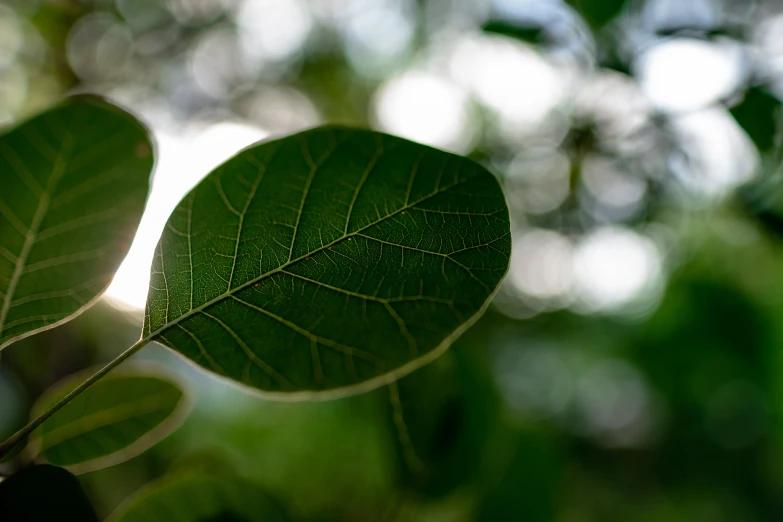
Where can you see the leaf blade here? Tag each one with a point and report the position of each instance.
(116, 419)
(75, 180)
(306, 239)
(442, 418)
(196, 497)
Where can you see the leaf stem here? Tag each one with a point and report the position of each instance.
(13, 440)
(412, 460)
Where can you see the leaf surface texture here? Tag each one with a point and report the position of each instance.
(73, 182)
(116, 419)
(331, 261)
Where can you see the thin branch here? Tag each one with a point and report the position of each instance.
(13, 440)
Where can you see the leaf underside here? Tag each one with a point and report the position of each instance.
(114, 420)
(73, 182)
(330, 261)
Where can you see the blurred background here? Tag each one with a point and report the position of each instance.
(627, 371)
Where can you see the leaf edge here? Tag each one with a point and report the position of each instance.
(111, 106)
(159, 433)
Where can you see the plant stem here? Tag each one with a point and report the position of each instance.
(14, 439)
(412, 460)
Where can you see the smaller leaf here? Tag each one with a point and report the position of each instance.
(442, 416)
(200, 497)
(598, 13)
(532, 34)
(759, 115)
(114, 420)
(529, 486)
(42, 494)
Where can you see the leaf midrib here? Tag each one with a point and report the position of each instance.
(58, 169)
(102, 418)
(281, 269)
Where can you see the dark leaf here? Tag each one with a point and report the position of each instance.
(43, 494)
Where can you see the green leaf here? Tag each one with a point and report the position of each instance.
(759, 114)
(762, 199)
(202, 497)
(116, 419)
(74, 181)
(530, 485)
(598, 13)
(532, 34)
(328, 262)
(43, 494)
(442, 417)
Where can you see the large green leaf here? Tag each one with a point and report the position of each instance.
(43, 494)
(201, 497)
(74, 181)
(330, 261)
(119, 417)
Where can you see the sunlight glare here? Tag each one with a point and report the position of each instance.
(614, 266)
(686, 74)
(426, 108)
(720, 155)
(541, 266)
(183, 159)
(272, 30)
(509, 77)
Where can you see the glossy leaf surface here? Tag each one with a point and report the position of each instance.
(330, 261)
(202, 497)
(73, 185)
(115, 419)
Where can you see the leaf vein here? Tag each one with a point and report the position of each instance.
(271, 372)
(58, 169)
(365, 175)
(342, 348)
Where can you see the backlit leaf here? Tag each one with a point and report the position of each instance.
(328, 262)
(116, 419)
(73, 182)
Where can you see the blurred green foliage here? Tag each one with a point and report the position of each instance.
(665, 410)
